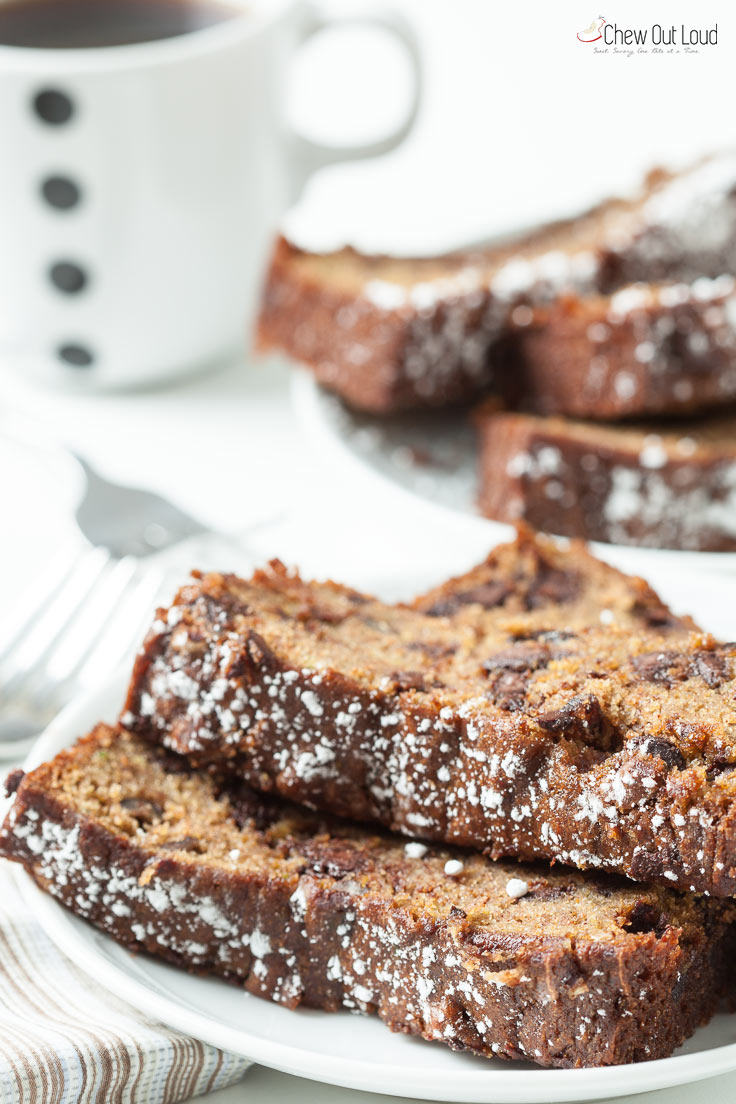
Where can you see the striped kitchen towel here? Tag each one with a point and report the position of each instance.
(65, 1040)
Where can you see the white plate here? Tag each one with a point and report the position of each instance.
(339, 1048)
(431, 458)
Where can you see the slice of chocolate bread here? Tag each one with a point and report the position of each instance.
(647, 349)
(502, 960)
(665, 486)
(392, 334)
(514, 732)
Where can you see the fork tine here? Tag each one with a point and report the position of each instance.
(61, 674)
(36, 598)
(32, 651)
(126, 630)
(80, 638)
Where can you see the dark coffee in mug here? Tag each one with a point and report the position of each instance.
(75, 24)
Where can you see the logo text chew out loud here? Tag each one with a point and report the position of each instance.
(613, 34)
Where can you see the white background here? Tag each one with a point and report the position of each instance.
(520, 122)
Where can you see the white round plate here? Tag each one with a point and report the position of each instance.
(431, 458)
(340, 1048)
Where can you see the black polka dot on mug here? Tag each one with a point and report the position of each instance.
(61, 192)
(53, 107)
(77, 356)
(68, 277)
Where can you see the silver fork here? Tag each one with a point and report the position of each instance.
(81, 617)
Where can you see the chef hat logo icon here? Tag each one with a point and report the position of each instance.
(594, 32)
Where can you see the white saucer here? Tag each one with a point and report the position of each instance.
(340, 1048)
(430, 458)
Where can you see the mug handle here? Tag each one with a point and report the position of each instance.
(307, 155)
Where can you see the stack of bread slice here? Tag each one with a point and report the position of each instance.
(502, 817)
(625, 313)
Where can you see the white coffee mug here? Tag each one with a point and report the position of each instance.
(141, 186)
